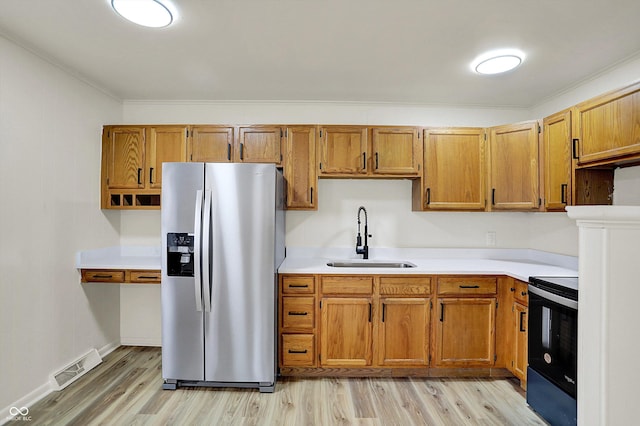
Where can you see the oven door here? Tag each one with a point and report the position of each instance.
(553, 338)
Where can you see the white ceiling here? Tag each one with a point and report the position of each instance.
(415, 51)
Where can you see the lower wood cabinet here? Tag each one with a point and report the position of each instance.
(403, 331)
(398, 325)
(297, 324)
(464, 332)
(518, 354)
(346, 333)
(519, 366)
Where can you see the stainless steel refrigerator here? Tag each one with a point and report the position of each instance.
(222, 242)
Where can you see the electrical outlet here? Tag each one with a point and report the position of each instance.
(491, 238)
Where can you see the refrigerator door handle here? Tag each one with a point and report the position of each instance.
(197, 252)
(206, 251)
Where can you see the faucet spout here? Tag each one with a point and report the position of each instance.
(363, 249)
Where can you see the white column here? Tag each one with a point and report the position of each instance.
(608, 314)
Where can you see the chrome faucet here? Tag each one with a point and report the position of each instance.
(360, 249)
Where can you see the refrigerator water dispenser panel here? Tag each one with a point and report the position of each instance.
(179, 254)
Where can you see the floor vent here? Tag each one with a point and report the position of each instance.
(72, 372)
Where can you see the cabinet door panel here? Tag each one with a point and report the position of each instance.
(345, 338)
(404, 331)
(125, 158)
(514, 167)
(343, 150)
(465, 332)
(557, 161)
(454, 169)
(609, 126)
(166, 144)
(211, 144)
(300, 169)
(396, 151)
(260, 144)
(520, 319)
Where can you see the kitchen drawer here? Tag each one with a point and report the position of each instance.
(521, 294)
(298, 312)
(102, 276)
(467, 285)
(303, 284)
(405, 286)
(298, 350)
(141, 277)
(347, 285)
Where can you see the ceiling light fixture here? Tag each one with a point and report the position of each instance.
(148, 13)
(497, 61)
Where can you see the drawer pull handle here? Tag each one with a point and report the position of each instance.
(103, 276)
(293, 351)
(298, 285)
(524, 293)
(469, 286)
(148, 277)
(297, 313)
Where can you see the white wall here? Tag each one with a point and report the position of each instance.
(50, 125)
(626, 190)
(616, 77)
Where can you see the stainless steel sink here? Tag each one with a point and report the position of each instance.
(370, 264)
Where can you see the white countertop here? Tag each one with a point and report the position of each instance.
(517, 263)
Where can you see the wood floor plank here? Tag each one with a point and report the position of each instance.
(126, 389)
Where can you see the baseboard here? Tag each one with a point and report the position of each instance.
(25, 402)
(140, 341)
(40, 392)
(108, 348)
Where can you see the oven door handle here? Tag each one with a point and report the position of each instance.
(572, 304)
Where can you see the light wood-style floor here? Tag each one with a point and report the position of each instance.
(126, 389)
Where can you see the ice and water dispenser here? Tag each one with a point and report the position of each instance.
(180, 254)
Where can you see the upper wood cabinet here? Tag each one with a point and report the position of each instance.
(513, 177)
(342, 150)
(211, 144)
(123, 157)
(132, 158)
(608, 127)
(556, 151)
(166, 144)
(454, 176)
(357, 151)
(259, 144)
(300, 167)
(396, 151)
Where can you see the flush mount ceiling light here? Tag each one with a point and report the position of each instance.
(497, 61)
(148, 13)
